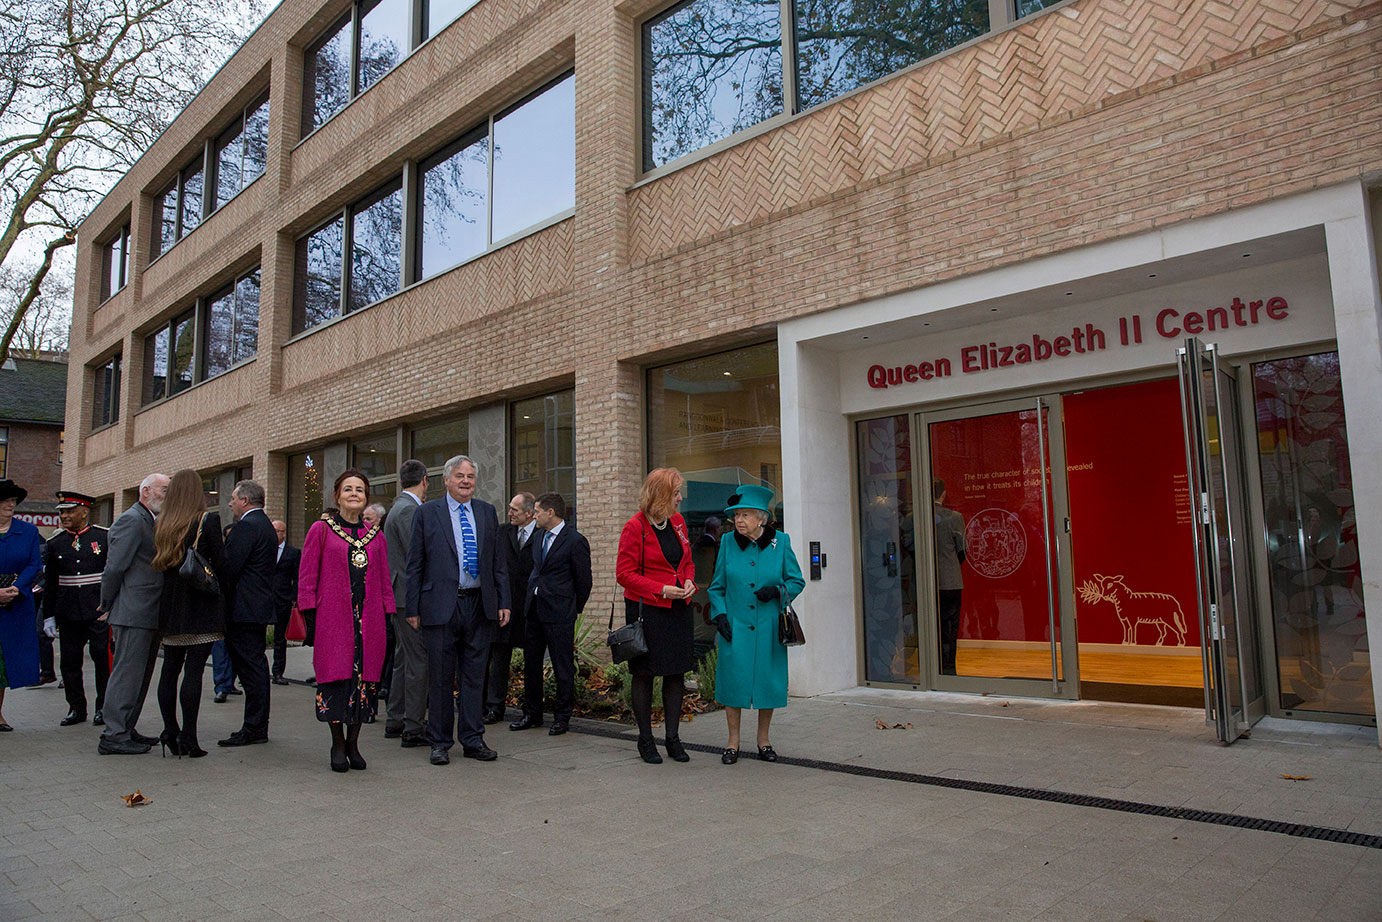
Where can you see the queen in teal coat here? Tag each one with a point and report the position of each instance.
(756, 575)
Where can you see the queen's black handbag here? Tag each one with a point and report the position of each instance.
(789, 628)
(628, 641)
(196, 571)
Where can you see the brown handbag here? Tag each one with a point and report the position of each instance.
(789, 628)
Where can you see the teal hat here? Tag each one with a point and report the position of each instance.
(751, 497)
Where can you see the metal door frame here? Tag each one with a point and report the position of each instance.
(1064, 681)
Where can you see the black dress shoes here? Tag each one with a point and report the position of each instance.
(234, 691)
(414, 740)
(72, 719)
(241, 738)
(494, 715)
(99, 720)
(439, 756)
(392, 733)
(121, 747)
(558, 728)
(526, 722)
(767, 754)
(729, 757)
(279, 680)
(481, 753)
(138, 737)
(220, 698)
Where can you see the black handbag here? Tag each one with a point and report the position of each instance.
(789, 629)
(628, 641)
(196, 571)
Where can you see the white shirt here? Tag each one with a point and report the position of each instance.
(280, 551)
(525, 533)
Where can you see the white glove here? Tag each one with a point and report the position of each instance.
(50, 627)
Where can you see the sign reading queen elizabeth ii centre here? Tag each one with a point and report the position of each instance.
(1274, 306)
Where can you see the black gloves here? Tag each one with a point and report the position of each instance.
(722, 625)
(767, 593)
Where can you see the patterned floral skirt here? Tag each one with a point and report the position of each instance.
(352, 700)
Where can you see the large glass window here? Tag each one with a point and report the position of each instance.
(384, 27)
(1322, 657)
(328, 76)
(535, 159)
(178, 208)
(304, 493)
(438, 14)
(106, 399)
(453, 199)
(156, 365)
(434, 445)
(190, 201)
(376, 455)
(165, 219)
(530, 164)
(376, 247)
(181, 353)
(232, 325)
(373, 272)
(712, 68)
(240, 153)
(542, 446)
(115, 262)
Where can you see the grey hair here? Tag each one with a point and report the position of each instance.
(450, 467)
(250, 492)
(148, 482)
(764, 517)
(526, 500)
(378, 509)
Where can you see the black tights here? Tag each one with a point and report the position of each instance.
(191, 662)
(673, 690)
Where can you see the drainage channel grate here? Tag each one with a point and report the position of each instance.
(1342, 836)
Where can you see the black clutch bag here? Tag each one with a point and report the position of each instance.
(628, 641)
(789, 629)
(196, 571)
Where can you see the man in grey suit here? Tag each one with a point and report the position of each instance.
(407, 712)
(950, 581)
(130, 591)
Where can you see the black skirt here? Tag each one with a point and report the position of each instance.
(670, 637)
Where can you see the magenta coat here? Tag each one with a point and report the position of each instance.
(324, 584)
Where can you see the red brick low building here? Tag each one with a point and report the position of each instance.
(792, 245)
(33, 396)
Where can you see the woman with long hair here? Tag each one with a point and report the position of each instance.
(657, 573)
(189, 620)
(344, 580)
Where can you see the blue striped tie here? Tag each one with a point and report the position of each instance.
(469, 558)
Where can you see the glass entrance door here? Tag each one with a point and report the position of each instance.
(996, 556)
(1214, 462)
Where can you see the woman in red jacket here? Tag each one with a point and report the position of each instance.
(656, 570)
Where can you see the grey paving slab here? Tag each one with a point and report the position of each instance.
(577, 828)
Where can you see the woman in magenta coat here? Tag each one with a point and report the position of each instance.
(344, 579)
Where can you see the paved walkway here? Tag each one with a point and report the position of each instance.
(577, 828)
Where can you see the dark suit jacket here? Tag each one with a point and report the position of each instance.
(251, 548)
(519, 562)
(286, 578)
(434, 573)
(559, 586)
(398, 532)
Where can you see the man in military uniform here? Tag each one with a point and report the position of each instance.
(71, 596)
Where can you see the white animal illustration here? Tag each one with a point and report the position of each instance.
(1135, 609)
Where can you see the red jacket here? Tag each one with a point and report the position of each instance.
(641, 568)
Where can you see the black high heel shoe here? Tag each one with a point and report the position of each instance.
(167, 741)
(191, 749)
(647, 750)
(676, 750)
(339, 762)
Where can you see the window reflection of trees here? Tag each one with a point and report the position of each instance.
(322, 294)
(453, 207)
(714, 67)
(841, 46)
(180, 375)
(220, 328)
(329, 75)
(383, 40)
(376, 250)
(247, 316)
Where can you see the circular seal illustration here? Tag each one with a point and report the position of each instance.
(996, 543)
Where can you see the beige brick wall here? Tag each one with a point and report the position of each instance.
(1093, 121)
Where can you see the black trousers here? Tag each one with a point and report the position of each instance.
(497, 683)
(458, 648)
(386, 671)
(74, 639)
(948, 605)
(245, 644)
(190, 662)
(281, 640)
(559, 640)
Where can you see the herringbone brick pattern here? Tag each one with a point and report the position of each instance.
(1057, 65)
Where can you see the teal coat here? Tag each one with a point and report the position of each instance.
(752, 668)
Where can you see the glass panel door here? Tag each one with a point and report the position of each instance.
(997, 556)
(887, 551)
(1233, 689)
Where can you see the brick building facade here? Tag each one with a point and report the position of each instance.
(32, 402)
(1035, 159)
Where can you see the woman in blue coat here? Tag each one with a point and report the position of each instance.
(756, 575)
(20, 562)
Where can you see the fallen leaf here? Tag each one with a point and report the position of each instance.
(1005, 704)
(1296, 777)
(880, 725)
(137, 799)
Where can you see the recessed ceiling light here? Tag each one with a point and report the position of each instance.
(725, 373)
